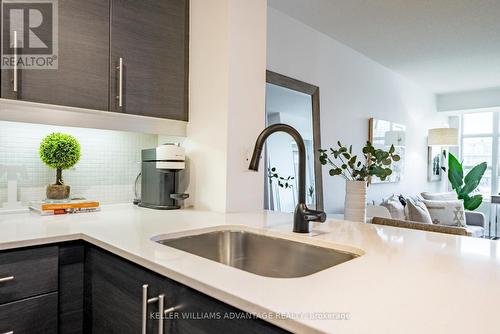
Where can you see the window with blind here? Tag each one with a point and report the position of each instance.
(479, 142)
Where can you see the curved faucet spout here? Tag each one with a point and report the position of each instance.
(259, 145)
(302, 215)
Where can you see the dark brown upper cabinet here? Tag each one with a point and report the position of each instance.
(149, 52)
(126, 56)
(81, 78)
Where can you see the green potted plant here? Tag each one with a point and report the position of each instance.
(59, 151)
(343, 162)
(464, 186)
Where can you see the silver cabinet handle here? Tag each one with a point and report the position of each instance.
(119, 68)
(164, 315)
(15, 79)
(161, 309)
(6, 279)
(144, 308)
(169, 310)
(145, 302)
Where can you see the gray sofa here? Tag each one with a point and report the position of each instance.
(475, 225)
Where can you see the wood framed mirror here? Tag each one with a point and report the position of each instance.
(295, 103)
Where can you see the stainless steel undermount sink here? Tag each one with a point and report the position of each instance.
(259, 254)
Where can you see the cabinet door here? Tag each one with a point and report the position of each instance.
(197, 313)
(113, 295)
(31, 315)
(27, 272)
(113, 303)
(151, 39)
(81, 79)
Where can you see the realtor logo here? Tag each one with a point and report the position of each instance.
(29, 34)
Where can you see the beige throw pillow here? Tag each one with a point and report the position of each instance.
(417, 211)
(449, 213)
(444, 196)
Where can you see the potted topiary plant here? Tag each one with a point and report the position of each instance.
(59, 151)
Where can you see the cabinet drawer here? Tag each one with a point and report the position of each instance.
(31, 315)
(28, 272)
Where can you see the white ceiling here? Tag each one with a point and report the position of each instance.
(445, 45)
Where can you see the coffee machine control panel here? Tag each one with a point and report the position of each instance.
(168, 156)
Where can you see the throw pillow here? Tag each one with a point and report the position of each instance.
(445, 196)
(417, 211)
(396, 209)
(449, 213)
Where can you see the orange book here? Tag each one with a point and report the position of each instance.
(64, 211)
(75, 205)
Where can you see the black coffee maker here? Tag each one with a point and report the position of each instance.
(159, 177)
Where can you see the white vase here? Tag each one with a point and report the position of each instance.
(355, 201)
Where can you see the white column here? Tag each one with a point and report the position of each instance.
(227, 102)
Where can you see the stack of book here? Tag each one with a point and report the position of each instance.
(74, 206)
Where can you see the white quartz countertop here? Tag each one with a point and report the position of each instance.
(405, 282)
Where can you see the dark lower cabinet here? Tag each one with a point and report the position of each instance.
(28, 272)
(96, 292)
(114, 294)
(29, 290)
(31, 315)
(115, 288)
(71, 287)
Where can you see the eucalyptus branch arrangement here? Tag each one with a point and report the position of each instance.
(343, 162)
(283, 182)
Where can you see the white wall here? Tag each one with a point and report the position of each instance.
(227, 99)
(247, 100)
(208, 87)
(354, 88)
